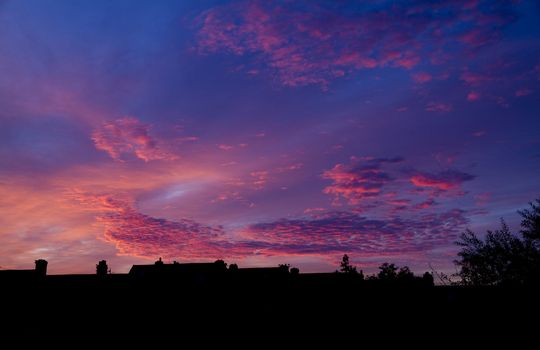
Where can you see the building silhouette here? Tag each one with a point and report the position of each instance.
(40, 271)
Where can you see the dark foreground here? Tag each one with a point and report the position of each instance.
(304, 305)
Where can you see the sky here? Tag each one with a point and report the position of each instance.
(263, 132)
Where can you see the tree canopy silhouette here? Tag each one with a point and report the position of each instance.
(405, 274)
(530, 223)
(502, 258)
(346, 266)
(387, 272)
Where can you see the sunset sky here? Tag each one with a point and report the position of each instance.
(263, 132)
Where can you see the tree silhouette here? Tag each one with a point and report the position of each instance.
(405, 274)
(388, 272)
(502, 257)
(530, 223)
(427, 278)
(284, 267)
(346, 266)
(222, 265)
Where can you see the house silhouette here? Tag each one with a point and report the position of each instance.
(39, 271)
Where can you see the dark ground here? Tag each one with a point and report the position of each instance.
(329, 305)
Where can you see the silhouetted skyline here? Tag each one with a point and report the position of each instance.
(263, 133)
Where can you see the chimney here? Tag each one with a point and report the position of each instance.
(41, 267)
(102, 268)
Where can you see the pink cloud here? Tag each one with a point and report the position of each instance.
(138, 235)
(443, 181)
(129, 136)
(407, 61)
(425, 204)
(260, 178)
(422, 77)
(228, 196)
(438, 107)
(473, 96)
(361, 179)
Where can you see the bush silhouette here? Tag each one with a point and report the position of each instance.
(502, 257)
